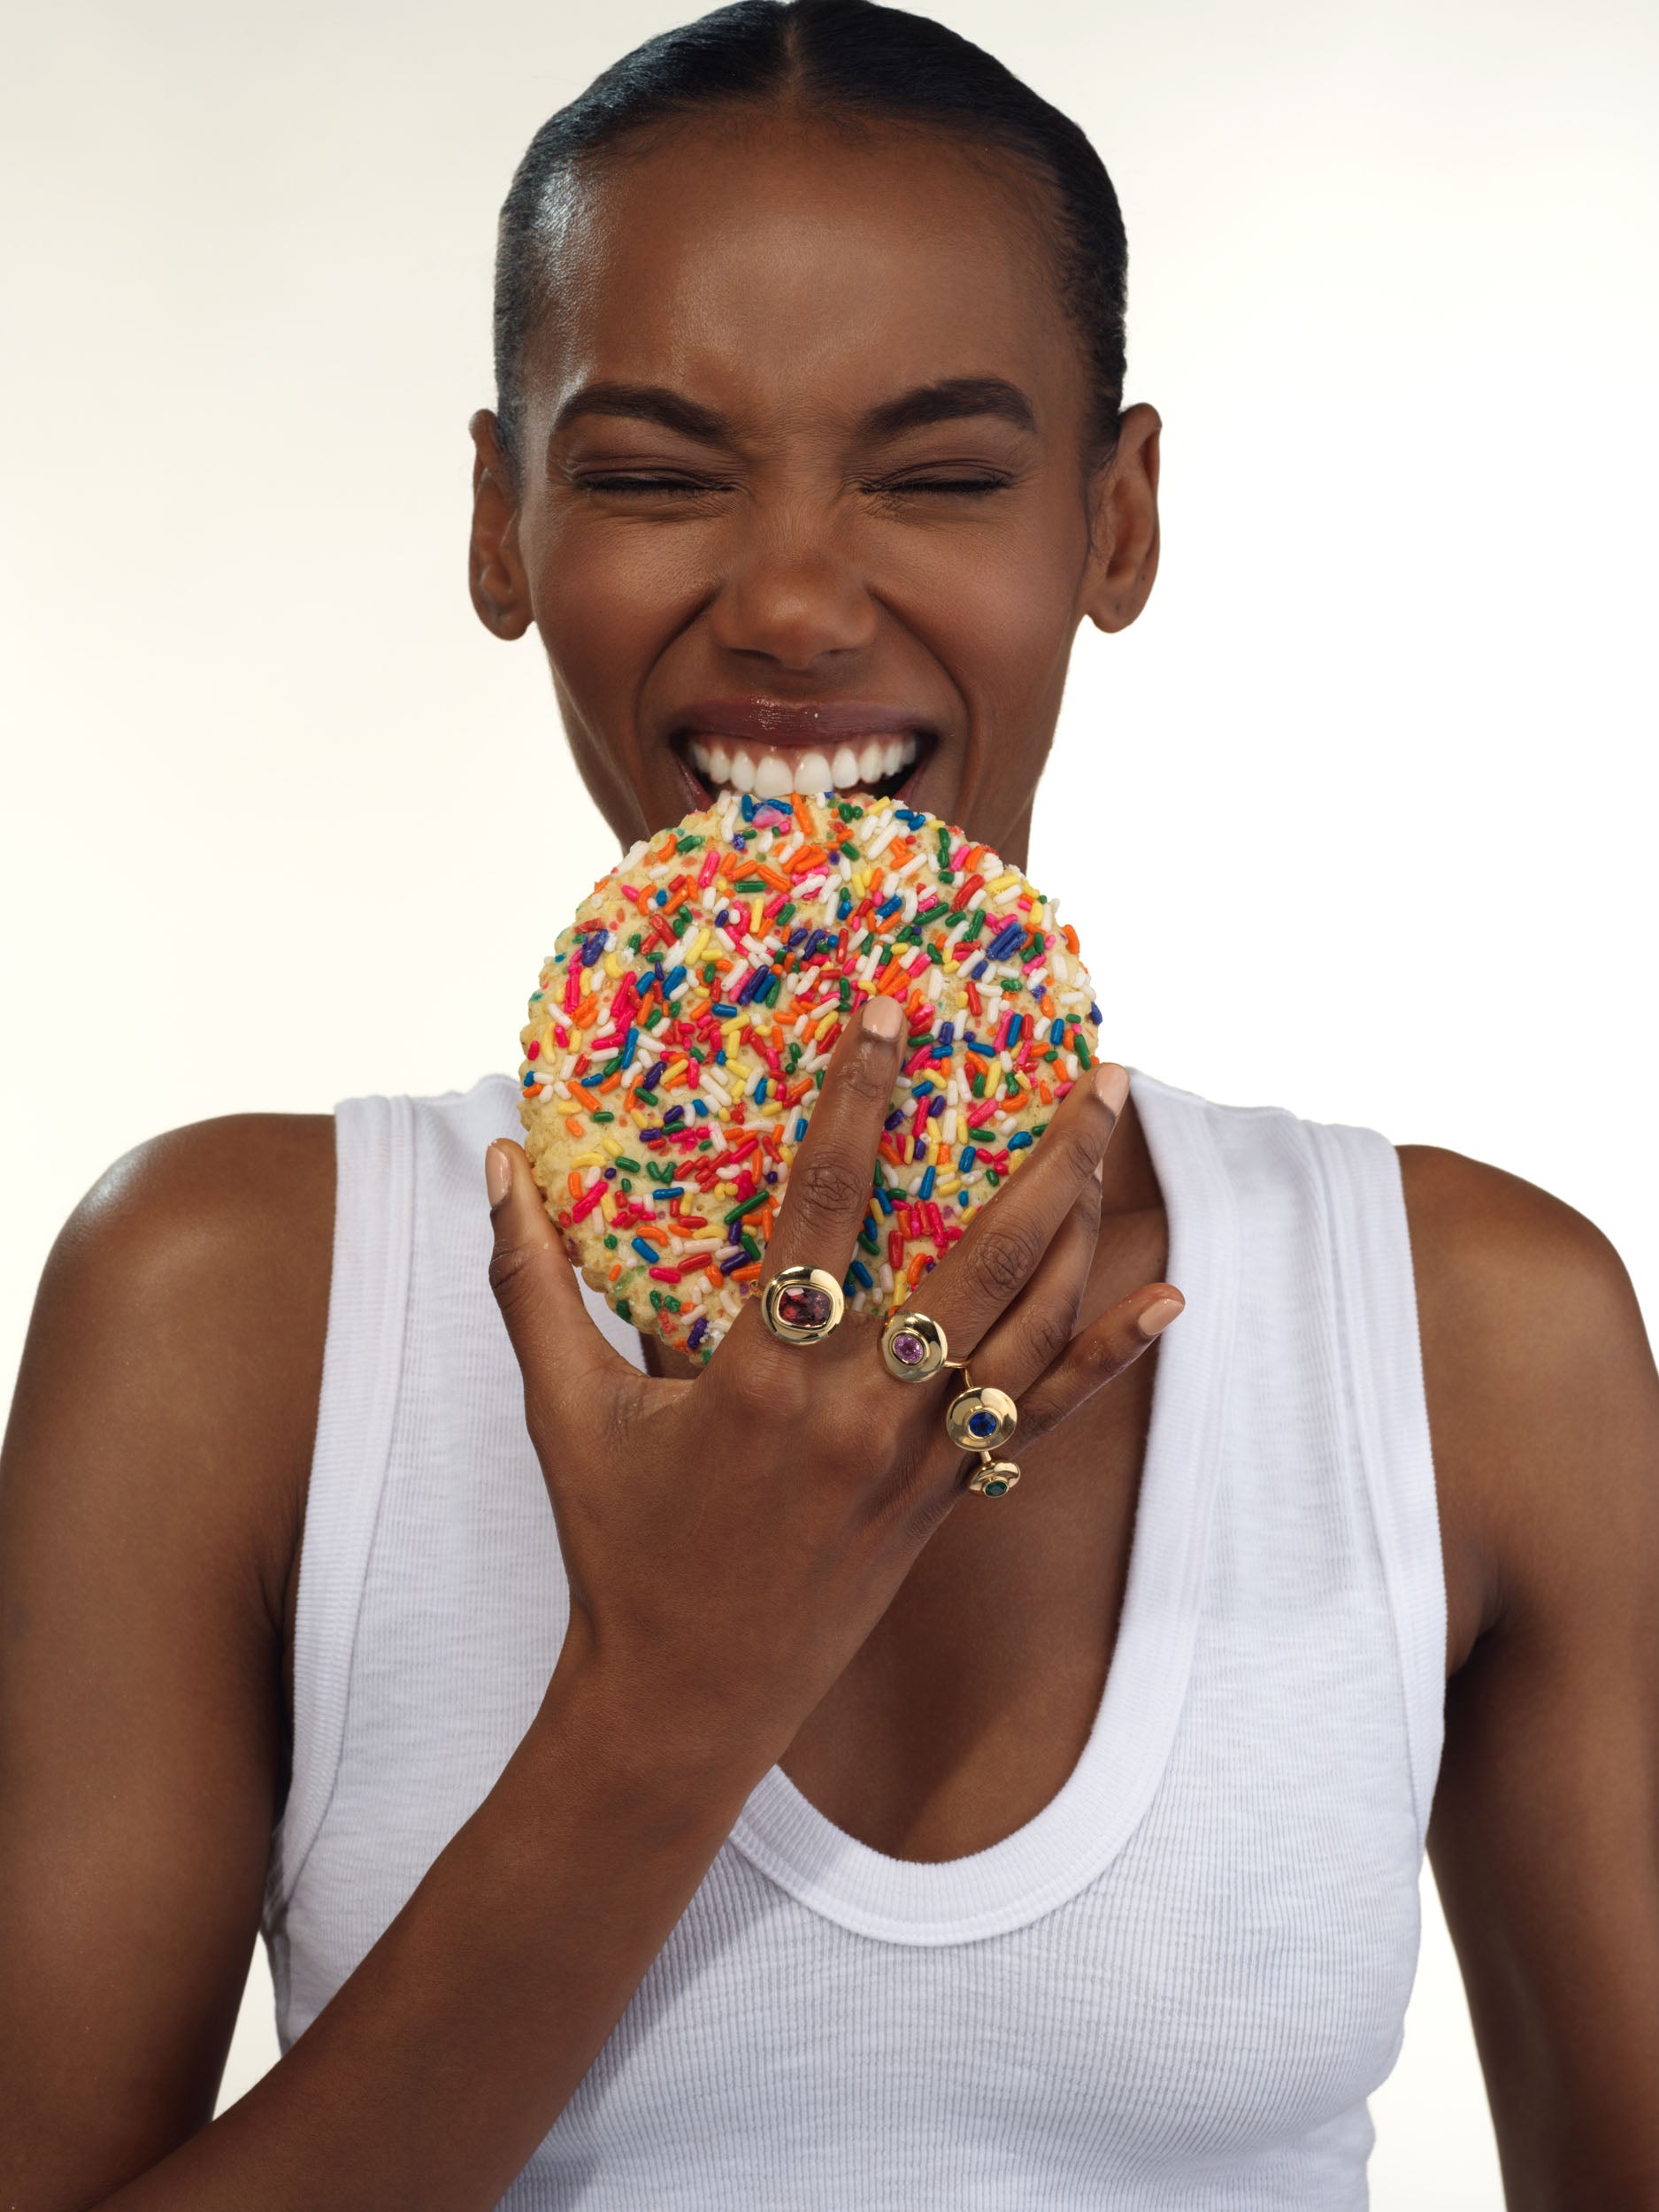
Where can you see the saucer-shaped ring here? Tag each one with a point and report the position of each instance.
(913, 1347)
(993, 1477)
(982, 1419)
(801, 1305)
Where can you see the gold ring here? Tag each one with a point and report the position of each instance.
(993, 1477)
(980, 1418)
(913, 1347)
(801, 1305)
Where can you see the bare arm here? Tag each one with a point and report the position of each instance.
(703, 1629)
(1544, 1408)
(150, 1490)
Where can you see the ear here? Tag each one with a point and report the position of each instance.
(501, 593)
(1124, 524)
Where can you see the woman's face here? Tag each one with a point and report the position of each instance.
(799, 493)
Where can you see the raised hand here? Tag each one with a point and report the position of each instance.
(730, 1542)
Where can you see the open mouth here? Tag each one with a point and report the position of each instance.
(879, 766)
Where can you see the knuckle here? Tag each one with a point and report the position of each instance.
(1003, 1256)
(1047, 1332)
(510, 1273)
(1040, 1411)
(865, 1074)
(828, 1184)
(1081, 1154)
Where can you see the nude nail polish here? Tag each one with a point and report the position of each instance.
(1159, 1315)
(497, 1173)
(1111, 1084)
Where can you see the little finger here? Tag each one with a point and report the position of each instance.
(1097, 1357)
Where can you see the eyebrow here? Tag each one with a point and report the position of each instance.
(950, 399)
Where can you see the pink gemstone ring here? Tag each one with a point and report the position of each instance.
(801, 1305)
(913, 1347)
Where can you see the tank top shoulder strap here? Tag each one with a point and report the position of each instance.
(408, 1209)
(1377, 1321)
(1323, 1219)
(374, 1218)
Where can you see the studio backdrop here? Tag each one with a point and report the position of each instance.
(1356, 819)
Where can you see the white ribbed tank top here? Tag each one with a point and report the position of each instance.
(1179, 1984)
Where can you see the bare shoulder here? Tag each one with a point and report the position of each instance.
(184, 1303)
(152, 1495)
(1540, 1383)
(1544, 1418)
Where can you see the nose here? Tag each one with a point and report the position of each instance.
(793, 599)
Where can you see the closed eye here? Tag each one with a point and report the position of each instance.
(968, 486)
(652, 484)
(962, 486)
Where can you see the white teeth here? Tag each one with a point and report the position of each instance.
(772, 777)
(867, 761)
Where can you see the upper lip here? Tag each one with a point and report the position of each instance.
(783, 724)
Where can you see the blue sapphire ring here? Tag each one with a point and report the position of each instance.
(980, 1418)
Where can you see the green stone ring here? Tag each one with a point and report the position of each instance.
(993, 1477)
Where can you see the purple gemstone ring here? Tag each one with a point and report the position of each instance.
(801, 1305)
(913, 1347)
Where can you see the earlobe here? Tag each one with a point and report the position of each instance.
(1124, 519)
(500, 598)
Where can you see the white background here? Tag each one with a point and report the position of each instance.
(1358, 819)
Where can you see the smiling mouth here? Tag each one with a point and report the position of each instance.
(878, 766)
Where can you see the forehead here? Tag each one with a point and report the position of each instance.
(773, 266)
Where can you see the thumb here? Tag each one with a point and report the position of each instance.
(564, 1359)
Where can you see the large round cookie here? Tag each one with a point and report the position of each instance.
(685, 1019)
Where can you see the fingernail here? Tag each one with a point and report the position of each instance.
(1159, 1315)
(497, 1173)
(1111, 1084)
(881, 1016)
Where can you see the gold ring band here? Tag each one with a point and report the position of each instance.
(914, 1347)
(801, 1305)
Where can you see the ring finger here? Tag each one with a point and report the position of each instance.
(1008, 1239)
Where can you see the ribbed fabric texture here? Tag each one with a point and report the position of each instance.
(1176, 1986)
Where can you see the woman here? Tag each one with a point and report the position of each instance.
(769, 1824)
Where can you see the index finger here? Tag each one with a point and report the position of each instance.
(828, 1189)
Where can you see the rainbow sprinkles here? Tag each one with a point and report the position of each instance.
(686, 1017)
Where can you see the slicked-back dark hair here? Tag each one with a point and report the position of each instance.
(849, 59)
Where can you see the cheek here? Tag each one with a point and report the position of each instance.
(607, 600)
(997, 608)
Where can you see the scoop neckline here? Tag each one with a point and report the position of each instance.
(1048, 1860)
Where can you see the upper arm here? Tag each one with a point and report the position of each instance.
(1544, 1412)
(150, 1489)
